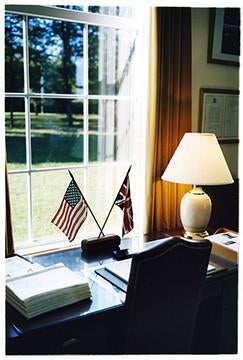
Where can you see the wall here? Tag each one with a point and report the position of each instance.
(210, 76)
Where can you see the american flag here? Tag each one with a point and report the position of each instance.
(72, 212)
(123, 200)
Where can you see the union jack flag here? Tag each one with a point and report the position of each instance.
(72, 212)
(123, 200)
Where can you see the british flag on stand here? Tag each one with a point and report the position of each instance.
(123, 200)
(72, 212)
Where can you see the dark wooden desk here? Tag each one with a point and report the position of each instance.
(90, 327)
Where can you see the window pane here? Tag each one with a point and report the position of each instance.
(48, 191)
(19, 209)
(110, 129)
(56, 132)
(14, 69)
(56, 56)
(111, 61)
(113, 10)
(15, 133)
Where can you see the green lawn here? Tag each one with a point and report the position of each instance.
(52, 140)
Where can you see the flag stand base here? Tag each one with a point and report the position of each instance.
(95, 244)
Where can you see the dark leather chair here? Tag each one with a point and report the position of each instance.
(161, 305)
(163, 297)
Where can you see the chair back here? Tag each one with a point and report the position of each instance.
(163, 296)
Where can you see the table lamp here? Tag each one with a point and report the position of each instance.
(198, 160)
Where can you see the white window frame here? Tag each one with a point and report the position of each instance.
(139, 100)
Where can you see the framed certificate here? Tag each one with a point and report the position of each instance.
(219, 113)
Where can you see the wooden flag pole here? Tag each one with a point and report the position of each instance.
(101, 230)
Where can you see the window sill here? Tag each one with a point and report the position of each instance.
(45, 248)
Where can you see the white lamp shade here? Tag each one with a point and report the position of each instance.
(198, 160)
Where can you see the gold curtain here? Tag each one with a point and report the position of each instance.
(9, 245)
(169, 111)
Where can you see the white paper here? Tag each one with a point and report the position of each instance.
(16, 266)
(120, 268)
(228, 240)
(231, 116)
(213, 114)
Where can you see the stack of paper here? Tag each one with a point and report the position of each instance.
(46, 289)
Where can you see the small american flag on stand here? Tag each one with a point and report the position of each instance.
(123, 200)
(72, 211)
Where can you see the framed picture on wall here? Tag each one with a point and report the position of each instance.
(219, 114)
(224, 36)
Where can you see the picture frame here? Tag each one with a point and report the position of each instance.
(224, 36)
(219, 113)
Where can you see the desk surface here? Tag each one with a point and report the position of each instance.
(105, 296)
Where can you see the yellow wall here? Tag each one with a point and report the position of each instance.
(210, 76)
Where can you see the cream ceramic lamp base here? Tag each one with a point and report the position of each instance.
(195, 213)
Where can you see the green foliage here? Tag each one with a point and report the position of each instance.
(53, 48)
(14, 73)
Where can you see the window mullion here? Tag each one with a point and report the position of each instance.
(71, 96)
(86, 105)
(27, 123)
(86, 8)
(86, 86)
(86, 110)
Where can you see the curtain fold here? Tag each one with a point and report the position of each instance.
(9, 244)
(169, 111)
